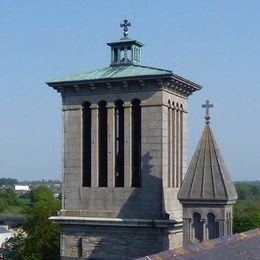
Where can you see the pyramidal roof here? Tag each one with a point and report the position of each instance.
(207, 177)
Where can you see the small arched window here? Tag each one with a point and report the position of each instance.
(197, 226)
(136, 143)
(213, 226)
(86, 144)
(102, 144)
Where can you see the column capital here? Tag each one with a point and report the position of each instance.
(127, 104)
(94, 106)
(111, 105)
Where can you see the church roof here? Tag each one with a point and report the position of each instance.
(207, 178)
(114, 72)
(126, 66)
(241, 246)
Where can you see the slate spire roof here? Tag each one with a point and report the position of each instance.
(207, 177)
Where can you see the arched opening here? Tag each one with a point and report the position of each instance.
(102, 144)
(136, 143)
(173, 145)
(119, 145)
(86, 143)
(169, 143)
(213, 226)
(177, 111)
(197, 226)
(115, 55)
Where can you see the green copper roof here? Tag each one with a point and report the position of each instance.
(114, 72)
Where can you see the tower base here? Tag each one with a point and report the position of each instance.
(114, 238)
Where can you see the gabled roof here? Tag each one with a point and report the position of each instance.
(114, 72)
(207, 177)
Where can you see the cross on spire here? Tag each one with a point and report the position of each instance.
(207, 106)
(125, 26)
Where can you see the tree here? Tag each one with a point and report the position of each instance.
(41, 193)
(40, 239)
(7, 198)
(246, 222)
(247, 208)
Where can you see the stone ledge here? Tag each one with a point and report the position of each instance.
(159, 223)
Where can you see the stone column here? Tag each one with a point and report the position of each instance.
(110, 145)
(125, 55)
(94, 145)
(127, 144)
(221, 227)
(185, 143)
(118, 55)
(204, 229)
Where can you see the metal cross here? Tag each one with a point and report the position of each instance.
(207, 106)
(125, 26)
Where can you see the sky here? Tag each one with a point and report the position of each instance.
(213, 43)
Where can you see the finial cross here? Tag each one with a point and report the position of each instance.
(125, 26)
(207, 106)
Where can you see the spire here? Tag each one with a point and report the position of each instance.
(207, 177)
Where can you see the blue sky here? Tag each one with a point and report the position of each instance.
(213, 43)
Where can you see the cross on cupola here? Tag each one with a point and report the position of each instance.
(125, 26)
(207, 106)
(125, 51)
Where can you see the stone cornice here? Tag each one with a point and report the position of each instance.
(171, 84)
(159, 223)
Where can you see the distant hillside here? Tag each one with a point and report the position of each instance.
(248, 190)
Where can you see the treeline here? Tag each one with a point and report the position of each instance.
(248, 190)
(247, 207)
(9, 182)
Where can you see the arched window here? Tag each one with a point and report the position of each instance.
(169, 144)
(102, 144)
(173, 145)
(197, 226)
(177, 145)
(119, 145)
(136, 143)
(86, 149)
(115, 55)
(213, 226)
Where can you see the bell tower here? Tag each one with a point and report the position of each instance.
(124, 157)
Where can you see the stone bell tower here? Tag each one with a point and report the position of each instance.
(207, 193)
(124, 156)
